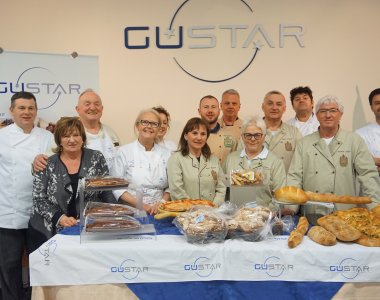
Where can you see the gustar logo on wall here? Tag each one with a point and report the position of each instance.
(349, 268)
(253, 38)
(272, 266)
(129, 269)
(42, 83)
(202, 267)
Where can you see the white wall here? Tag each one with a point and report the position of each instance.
(340, 56)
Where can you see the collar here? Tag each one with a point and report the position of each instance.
(20, 130)
(216, 128)
(308, 120)
(142, 148)
(262, 155)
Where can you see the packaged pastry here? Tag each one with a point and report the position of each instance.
(202, 225)
(250, 224)
(247, 177)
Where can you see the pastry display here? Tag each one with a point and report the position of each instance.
(202, 225)
(111, 224)
(101, 209)
(291, 195)
(321, 236)
(250, 223)
(106, 182)
(296, 236)
(246, 177)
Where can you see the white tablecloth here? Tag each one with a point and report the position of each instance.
(64, 261)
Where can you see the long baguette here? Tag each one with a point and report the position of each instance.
(337, 199)
(296, 236)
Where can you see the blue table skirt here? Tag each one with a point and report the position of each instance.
(223, 289)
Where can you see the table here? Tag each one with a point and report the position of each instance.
(232, 268)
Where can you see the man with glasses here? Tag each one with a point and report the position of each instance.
(371, 132)
(281, 138)
(302, 102)
(330, 160)
(221, 141)
(99, 136)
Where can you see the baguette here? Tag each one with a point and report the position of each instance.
(339, 228)
(321, 236)
(291, 195)
(296, 236)
(337, 199)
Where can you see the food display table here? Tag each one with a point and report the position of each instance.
(169, 258)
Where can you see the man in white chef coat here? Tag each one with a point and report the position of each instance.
(20, 143)
(99, 136)
(371, 132)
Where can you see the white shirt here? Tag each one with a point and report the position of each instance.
(371, 135)
(310, 126)
(168, 144)
(104, 141)
(144, 170)
(17, 151)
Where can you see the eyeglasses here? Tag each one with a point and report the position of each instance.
(249, 136)
(147, 123)
(331, 110)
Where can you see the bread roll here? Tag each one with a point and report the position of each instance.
(367, 241)
(337, 199)
(302, 225)
(321, 236)
(291, 194)
(339, 228)
(376, 210)
(295, 239)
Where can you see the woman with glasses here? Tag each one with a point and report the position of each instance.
(165, 125)
(255, 155)
(193, 172)
(143, 164)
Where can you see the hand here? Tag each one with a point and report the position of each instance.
(66, 221)
(40, 162)
(151, 209)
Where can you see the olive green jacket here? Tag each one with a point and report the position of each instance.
(190, 179)
(272, 167)
(334, 168)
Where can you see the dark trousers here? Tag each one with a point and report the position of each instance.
(12, 245)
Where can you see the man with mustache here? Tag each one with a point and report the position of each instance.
(281, 137)
(221, 142)
(371, 132)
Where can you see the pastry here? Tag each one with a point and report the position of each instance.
(321, 236)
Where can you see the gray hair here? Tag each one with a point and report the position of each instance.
(254, 121)
(144, 111)
(231, 92)
(90, 91)
(329, 99)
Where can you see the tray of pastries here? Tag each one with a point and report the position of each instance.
(111, 224)
(96, 183)
(100, 209)
(176, 207)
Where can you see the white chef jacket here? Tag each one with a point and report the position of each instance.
(144, 170)
(371, 135)
(170, 145)
(310, 126)
(17, 151)
(104, 141)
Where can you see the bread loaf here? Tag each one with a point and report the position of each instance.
(291, 194)
(295, 239)
(342, 230)
(337, 199)
(302, 225)
(296, 236)
(321, 236)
